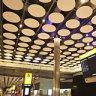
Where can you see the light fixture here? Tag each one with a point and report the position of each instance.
(20, 25)
(43, 20)
(84, 1)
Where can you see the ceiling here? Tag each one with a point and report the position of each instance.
(28, 29)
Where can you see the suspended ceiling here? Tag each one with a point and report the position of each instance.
(28, 29)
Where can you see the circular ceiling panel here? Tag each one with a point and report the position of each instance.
(86, 29)
(94, 43)
(50, 44)
(75, 54)
(56, 17)
(39, 42)
(88, 47)
(49, 57)
(9, 35)
(63, 32)
(35, 47)
(70, 57)
(10, 27)
(45, 1)
(87, 39)
(36, 10)
(30, 54)
(66, 5)
(10, 42)
(14, 4)
(94, 34)
(32, 23)
(62, 47)
(8, 57)
(76, 36)
(20, 56)
(69, 42)
(8, 47)
(79, 45)
(43, 36)
(66, 53)
(72, 49)
(25, 39)
(93, 20)
(8, 51)
(49, 28)
(28, 32)
(23, 44)
(33, 51)
(47, 49)
(21, 49)
(93, 2)
(43, 53)
(20, 53)
(72, 23)
(9, 16)
(82, 10)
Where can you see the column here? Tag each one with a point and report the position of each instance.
(56, 73)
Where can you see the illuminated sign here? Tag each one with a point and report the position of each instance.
(28, 78)
(87, 54)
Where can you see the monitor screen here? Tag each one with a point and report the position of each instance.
(26, 91)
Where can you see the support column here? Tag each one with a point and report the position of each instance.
(56, 73)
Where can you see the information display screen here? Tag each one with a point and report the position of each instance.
(26, 91)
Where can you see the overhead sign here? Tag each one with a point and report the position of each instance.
(28, 78)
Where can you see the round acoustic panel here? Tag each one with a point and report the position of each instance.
(17, 58)
(9, 16)
(20, 56)
(14, 4)
(94, 34)
(43, 53)
(66, 5)
(94, 43)
(8, 51)
(9, 35)
(9, 42)
(29, 54)
(93, 2)
(25, 39)
(81, 51)
(39, 42)
(10, 27)
(7, 54)
(69, 42)
(21, 49)
(76, 36)
(50, 44)
(75, 54)
(79, 45)
(49, 57)
(56, 17)
(72, 23)
(45, 1)
(23, 44)
(33, 51)
(32, 23)
(88, 47)
(43, 36)
(8, 57)
(47, 49)
(72, 49)
(51, 54)
(63, 32)
(8, 47)
(36, 10)
(63, 47)
(66, 53)
(19, 52)
(49, 28)
(35, 47)
(93, 20)
(82, 10)
(86, 28)
(28, 32)
(70, 57)
(87, 39)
